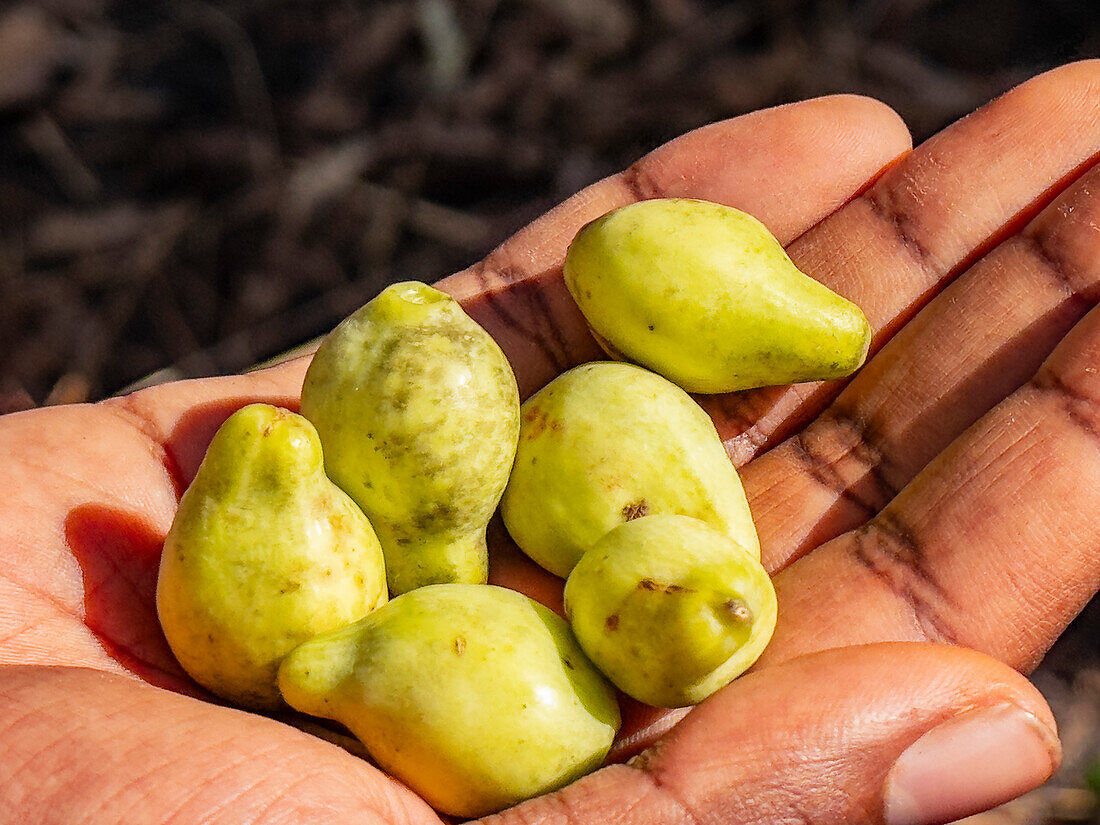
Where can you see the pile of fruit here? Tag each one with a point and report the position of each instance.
(276, 579)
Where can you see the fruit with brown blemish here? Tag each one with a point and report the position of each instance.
(606, 443)
(475, 696)
(706, 296)
(264, 553)
(418, 412)
(669, 609)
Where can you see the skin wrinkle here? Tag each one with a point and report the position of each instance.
(1016, 462)
(51, 469)
(537, 306)
(1072, 400)
(823, 471)
(135, 782)
(651, 771)
(880, 200)
(890, 550)
(15, 634)
(128, 409)
(640, 182)
(44, 597)
(280, 798)
(271, 752)
(555, 350)
(66, 615)
(210, 781)
(1068, 278)
(1033, 624)
(48, 744)
(863, 447)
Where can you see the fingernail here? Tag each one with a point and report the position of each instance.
(970, 763)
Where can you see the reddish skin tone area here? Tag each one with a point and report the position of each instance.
(932, 525)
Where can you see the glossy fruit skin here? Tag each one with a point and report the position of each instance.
(608, 442)
(704, 295)
(418, 412)
(669, 609)
(264, 553)
(475, 696)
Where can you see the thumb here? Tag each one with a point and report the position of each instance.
(895, 733)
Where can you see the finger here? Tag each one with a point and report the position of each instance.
(924, 220)
(995, 545)
(788, 166)
(976, 342)
(77, 741)
(905, 734)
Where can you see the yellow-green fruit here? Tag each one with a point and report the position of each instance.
(418, 412)
(704, 295)
(670, 609)
(264, 553)
(475, 696)
(606, 443)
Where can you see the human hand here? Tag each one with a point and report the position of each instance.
(991, 546)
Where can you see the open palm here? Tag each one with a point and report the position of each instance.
(947, 494)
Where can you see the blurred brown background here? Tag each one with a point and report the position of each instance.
(189, 187)
(200, 185)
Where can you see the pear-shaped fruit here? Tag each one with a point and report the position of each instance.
(418, 412)
(704, 295)
(475, 696)
(264, 553)
(605, 443)
(670, 609)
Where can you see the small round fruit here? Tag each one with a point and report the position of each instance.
(418, 412)
(475, 696)
(670, 609)
(605, 443)
(264, 553)
(704, 295)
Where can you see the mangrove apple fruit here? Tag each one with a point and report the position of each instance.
(264, 553)
(418, 412)
(704, 295)
(475, 696)
(669, 609)
(606, 443)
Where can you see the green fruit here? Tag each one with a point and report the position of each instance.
(264, 553)
(704, 295)
(474, 696)
(669, 609)
(606, 443)
(418, 412)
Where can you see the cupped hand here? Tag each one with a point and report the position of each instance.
(948, 494)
